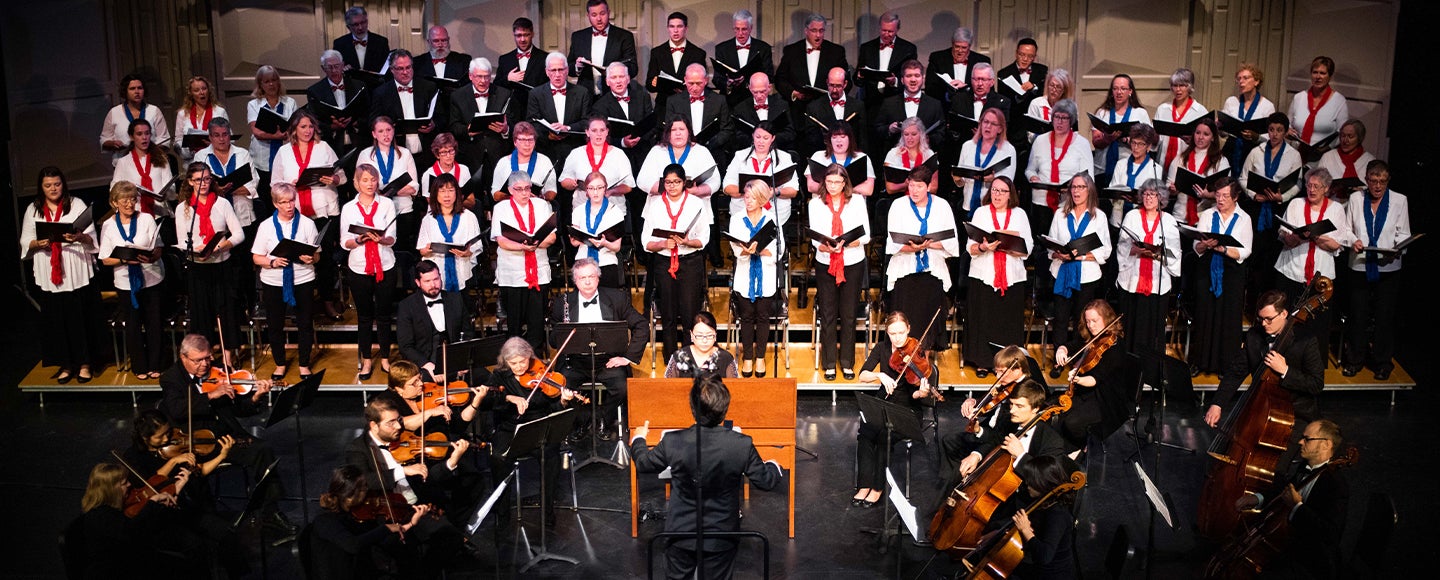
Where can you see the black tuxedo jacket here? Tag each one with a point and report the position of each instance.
(1304, 380)
(1317, 524)
(1037, 76)
(963, 102)
(220, 414)
(385, 100)
(728, 458)
(619, 47)
(534, 76)
(761, 59)
(779, 116)
(377, 49)
(614, 306)
(1046, 440)
(354, 91)
(715, 111)
(870, 57)
(940, 61)
(813, 136)
(463, 109)
(542, 105)
(364, 454)
(636, 109)
(660, 61)
(457, 66)
(417, 334)
(892, 110)
(792, 73)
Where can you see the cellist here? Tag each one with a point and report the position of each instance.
(1099, 385)
(895, 387)
(1298, 362)
(1045, 533)
(1012, 366)
(1023, 405)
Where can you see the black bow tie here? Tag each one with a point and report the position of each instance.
(590, 302)
(429, 303)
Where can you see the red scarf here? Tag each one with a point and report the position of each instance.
(1172, 147)
(675, 223)
(1052, 198)
(1310, 253)
(147, 203)
(439, 171)
(590, 154)
(307, 208)
(1314, 106)
(1045, 112)
(373, 265)
(57, 272)
(195, 120)
(532, 266)
(1147, 266)
(202, 213)
(905, 158)
(1349, 159)
(1002, 278)
(1192, 203)
(837, 229)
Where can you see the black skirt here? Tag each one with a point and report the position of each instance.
(990, 317)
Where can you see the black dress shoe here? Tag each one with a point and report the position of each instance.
(744, 374)
(981, 373)
(1384, 373)
(829, 374)
(277, 523)
(1350, 370)
(365, 376)
(1054, 372)
(82, 379)
(1194, 371)
(760, 372)
(848, 374)
(65, 378)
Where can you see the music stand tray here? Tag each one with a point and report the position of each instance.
(476, 353)
(595, 341)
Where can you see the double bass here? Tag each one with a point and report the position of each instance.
(1001, 552)
(961, 519)
(1248, 447)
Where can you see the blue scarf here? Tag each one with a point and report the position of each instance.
(594, 228)
(977, 184)
(452, 275)
(1067, 279)
(757, 273)
(529, 167)
(137, 276)
(1267, 209)
(1237, 145)
(1217, 263)
(683, 156)
(289, 273)
(922, 258)
(1112, 153)
(1374, 224)
(1132, 172)
(275, 143)
(849, 157)
(386, 165)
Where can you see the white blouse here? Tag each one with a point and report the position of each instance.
(1289, 162)
(510, 264)
(467, 228)
(116, 127)
(1078, 157)
(688, 208)
(1395, 230)
(852, 215)
(697, 161)
(768, 271)
(1132, 175)
(1167, 235)
(384, 216)
(430, 173)
(969, 152)
(1262, 110)
(543, 176)
(902, 218)
(76, 259)
(260, 148)
(1332, 162)
(614, 214)
(1137, 115)
(323, 198)
(222, 218)
(266, 240)
(147, 237)
(1243, 230)
(184, 125)
(982, 267)
(1334, 113)
(402, 163)
(614, 165)
(744, 163)
(1060, 232)
(127, 169)
(244, 204)
(1291, 262)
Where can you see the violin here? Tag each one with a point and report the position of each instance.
(1003, 550)
(411, 447)
(454, 394)
(383, 508)
(242, 381)
(543, 378)
(997, 394)
(138, 496)
(911, 361)
(1089, 355)
(204, 444)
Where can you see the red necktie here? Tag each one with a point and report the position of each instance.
(1147, 266)
(1310, 254)
(1002, 277)
(405, 89)
(373, 265)
(57, 272)
(594, 33)
(837, 229)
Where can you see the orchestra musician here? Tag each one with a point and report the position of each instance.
(1022, 406)
(1304, 258)
(516, 401)
(702, 355)
(118, 546)
(1380, 218)
(1101, 393)
(896, 386)
(142, 299)
(1219, 281)
(1301, 370)
(197, 110)
(341, 545)
(839, 283)
(114, 130)
(996, 298)
(590, 302)
(370, 266)
(599, 45)
(286, 283)
(917, 274)
(406, 386)
(1048, 533)
(1011, 366)
(63, 269)
(429, 318)
(728, 456)
(522, 269)
(145, 165)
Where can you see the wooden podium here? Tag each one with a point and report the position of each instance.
(764, 409)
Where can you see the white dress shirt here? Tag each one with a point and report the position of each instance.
(1291, 262)
(222, 219)
(384, 216)
(902, 219)
(510, 264)
(147, 237)
(266, 240)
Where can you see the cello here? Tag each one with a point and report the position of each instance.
(961, 519)
(1248, 447)
(1003, 549)
(1246, 556)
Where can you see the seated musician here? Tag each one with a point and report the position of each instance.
(342, 545)
(185, 400)
(518, 402)
(591, 303)
(1101, 391)
(1297, 362)
(426, 319)
(1316, 501)
(1048, 531)
(1024, 404)
(895, 387)
(728, 456)
(115, 545)
(418, 483)
(1012, 365)
(406, 387)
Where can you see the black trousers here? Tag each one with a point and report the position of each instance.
(1085, 412)
(835, 307)
(275, 306)
(680, 563)
(991, 317)
(1319, 324)
(1371, 303)
(754, 320)
(870, 456)
(144, 335)
(70, 328)
(374, 309)
(919, 296)
(525, 314)
(679, 298)
(1144, 321)
(1068, 309)
(212, 293)
(332, 259)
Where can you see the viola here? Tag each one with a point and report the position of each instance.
(454, 394)
(243, 381)
(204, 444)
(911, 360)
(383, 508)
(1003, 550)
(139, 496)
(540, 377)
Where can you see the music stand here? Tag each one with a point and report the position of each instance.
(530, 437)
(892, 418)
(473, 354)
(253, 504)
(589, 336)
(290, 402)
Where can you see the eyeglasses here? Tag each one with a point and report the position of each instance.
(674, 182)
(1269, 319)
(446, 151)
(702, 335)
(1304, 440)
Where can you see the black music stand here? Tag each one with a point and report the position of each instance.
(892, 418)
(290, 402)
(530, 437)
(253, 505)
(474, 354)
(589, 336)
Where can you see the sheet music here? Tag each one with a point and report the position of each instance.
(903, 507)
(1153, 493)
(474, 523)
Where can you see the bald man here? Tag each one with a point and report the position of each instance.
(841, 104)
(758, 105)
(706, 110)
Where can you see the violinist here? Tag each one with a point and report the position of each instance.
(407, 386)
(1099, 378)
(155, 450)
(1024, 403)
(116, 546)
(520, 402)
(344, 547)
(1298, 362)
(1012, 366)
(1316, 501)
(903, 388)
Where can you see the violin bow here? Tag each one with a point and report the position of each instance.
(133, 472)
(1077, 355)
(381, 478)
(220, 332)
(551, 366)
